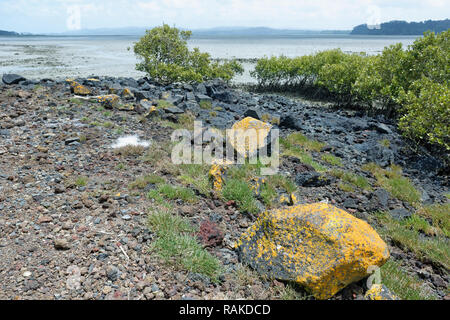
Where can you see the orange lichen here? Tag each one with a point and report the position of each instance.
(78, 89)
(109, 101)
(127, 93)
(317, 245)
(379, 292)
(216, 173)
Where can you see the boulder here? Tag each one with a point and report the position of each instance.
(254, 113)
(290, 122)
(12, 79)
(173, 110)
(319, 246)
(109, 101)
(127, 94)
(248, 142)
(79, 89)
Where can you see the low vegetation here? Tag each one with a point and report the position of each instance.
(392, 180)
(412, 84)
(351, 178)
(239, 190)
(405, 286)
(177, 245)
(408, 235)
(169, 192)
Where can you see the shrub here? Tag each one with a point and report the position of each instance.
(411, 84)
(426, 112)
(167, 59)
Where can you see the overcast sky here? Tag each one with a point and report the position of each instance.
(62, 15)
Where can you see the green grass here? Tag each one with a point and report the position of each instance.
(297, 151)
(385, 143)
(170, 192)
(76, 101)
(196, 175)
(38, 88)
(108, 124)
(244, 171)
(163, 104)
(239, 191)
(392, 180)
(418, 223)
(406, 235)
(346, 187)
(273, 183)
(299, 139)
(142, 182)
(120, 166)
(351, 178)
(81, 181)
(333, 160)
(440, 216)
(205, 105)
(403, 285)
(177, 245)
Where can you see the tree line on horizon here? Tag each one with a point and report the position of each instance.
(399, 27)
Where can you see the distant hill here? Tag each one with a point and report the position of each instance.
(260, 31)
(403, 28)
(220, 31)
(8, 33)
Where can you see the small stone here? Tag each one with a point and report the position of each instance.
(112, 273)
(61, 244)
(106, 290)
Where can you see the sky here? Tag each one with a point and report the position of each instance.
(47, 16)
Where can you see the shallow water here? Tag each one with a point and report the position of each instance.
(60, 57)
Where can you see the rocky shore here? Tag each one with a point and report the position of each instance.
(71, 227)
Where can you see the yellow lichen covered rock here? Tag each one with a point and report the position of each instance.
(319, 246)
(109, 101)
(78, 89)
(379, 292)
(250, 135)
(126, 93)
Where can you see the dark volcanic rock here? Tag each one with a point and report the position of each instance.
(400, 213)
(254, 113)
(290, 122)
(380, 155)
(312, 179)
(12, 78)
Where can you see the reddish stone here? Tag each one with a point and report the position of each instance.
(210, 234)
(44, 219)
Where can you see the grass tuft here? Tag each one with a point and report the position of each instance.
(405, 286)
(392, 180)
(177, 245)
(239, 191)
